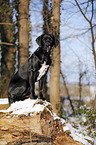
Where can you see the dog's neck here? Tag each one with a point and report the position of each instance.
(44, 56)
(44, 52)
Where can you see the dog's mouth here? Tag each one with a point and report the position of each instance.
(48, 48)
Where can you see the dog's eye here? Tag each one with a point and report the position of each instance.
(47, 39)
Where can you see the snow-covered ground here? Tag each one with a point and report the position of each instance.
(4, 101)
(35, 106)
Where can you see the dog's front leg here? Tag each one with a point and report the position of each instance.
(41, 88)
(32, 84)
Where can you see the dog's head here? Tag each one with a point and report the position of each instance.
(46, 42)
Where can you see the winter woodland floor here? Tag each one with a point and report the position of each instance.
(33, 122)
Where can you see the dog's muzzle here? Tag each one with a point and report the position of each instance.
(48, 48)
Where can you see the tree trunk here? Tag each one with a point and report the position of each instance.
(46, 30)
(8, 51)
(46, 17)
(55, 68)
(23, 31)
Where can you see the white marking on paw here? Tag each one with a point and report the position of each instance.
(42, 70)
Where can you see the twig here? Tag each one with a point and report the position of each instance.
(5, 43)
(6, 24)
(82, 11)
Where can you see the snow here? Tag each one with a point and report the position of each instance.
(55, 116)
(35, 106)
(4, 101)
(75, 133)
(26, 106)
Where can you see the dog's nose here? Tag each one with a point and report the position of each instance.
(48, 48)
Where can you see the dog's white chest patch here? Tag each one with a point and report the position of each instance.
(42, 70)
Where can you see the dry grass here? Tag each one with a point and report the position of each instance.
(4, 106)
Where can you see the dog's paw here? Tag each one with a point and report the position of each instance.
(43, 99)
(35, 97)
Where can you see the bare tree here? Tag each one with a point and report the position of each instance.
(46, 17)
(91, 25)
(67, 92)
(81, 75)
(8, 49)
(55, 68)
(46, 29)
(23, 31)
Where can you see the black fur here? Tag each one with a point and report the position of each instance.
(23, 82)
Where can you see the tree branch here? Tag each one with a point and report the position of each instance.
(91, 28)
(93, 40)
(5, 43)
(82, 12)
(6, 24)
(92, 11)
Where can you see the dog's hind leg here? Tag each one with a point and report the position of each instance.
(17, 91)
(10, 99)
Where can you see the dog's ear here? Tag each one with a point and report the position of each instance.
(39, 40)
(55, 41)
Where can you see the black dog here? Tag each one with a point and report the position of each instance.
(33, 70)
